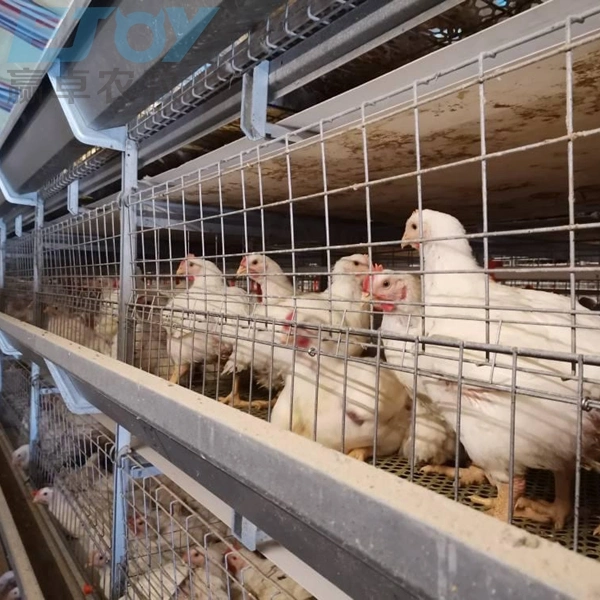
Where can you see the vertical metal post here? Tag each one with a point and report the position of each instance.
(38, 262)
(125, 342)
(119, 530)
(128, 246)
(2, 265)
(34, 414)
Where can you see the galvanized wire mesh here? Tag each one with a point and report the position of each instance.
(412, 378)
(178, 549)
(17, 294)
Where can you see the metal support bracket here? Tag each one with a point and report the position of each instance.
(255, 95)
(143, 472)
(73, 197)
(111, 139)
(255, 99)
(19, 225)
(7, 348)
(247, 532)
(45, 391)
(70, 392)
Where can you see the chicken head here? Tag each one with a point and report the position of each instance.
(20, 457)
(194, 557)
(43, 496)
(355, 264)
(98, 559)
(388, 289)
(192, 267)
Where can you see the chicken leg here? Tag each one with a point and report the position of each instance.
(559, 510)
(178, 373)
(472, 475)
(499, 507)
(234, 399)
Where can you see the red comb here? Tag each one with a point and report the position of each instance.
(244, 262)
(87, 589)
(377, 268)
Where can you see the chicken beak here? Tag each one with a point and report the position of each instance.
(241, 270)
(407, 241)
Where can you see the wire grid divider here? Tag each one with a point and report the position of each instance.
(17, 295)
(323, 206)
(15, 394)
(81, 278)
(72, 470)
(177, 549)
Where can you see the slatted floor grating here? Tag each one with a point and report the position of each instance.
(540, 484)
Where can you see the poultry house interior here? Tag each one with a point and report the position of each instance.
(406, 272)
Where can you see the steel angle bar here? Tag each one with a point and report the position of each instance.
(372, 535)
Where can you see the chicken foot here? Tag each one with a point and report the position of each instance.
(472, 475)
(499, 507)
(234, 399)
(559, 510)
(361, 454)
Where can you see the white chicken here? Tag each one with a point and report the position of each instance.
(341, 305)
(544, 430)
(356, 404)
(208, 578)
(61, 510)
(106, 325)
(274, 285)
(192, 334)
(398, 296)
(20, 457)
(274, 288)
(262, 578)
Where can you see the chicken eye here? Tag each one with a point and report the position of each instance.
(386, 284)
(255, 261)
(356, 263)
(413, 226)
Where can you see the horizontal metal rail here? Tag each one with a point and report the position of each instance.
(370, 534)
(11, 540)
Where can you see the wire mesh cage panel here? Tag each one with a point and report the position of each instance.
(72, 470)
(80, 278)
(16, 392)
(17, 294)
(508, 397)
(177, 549)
